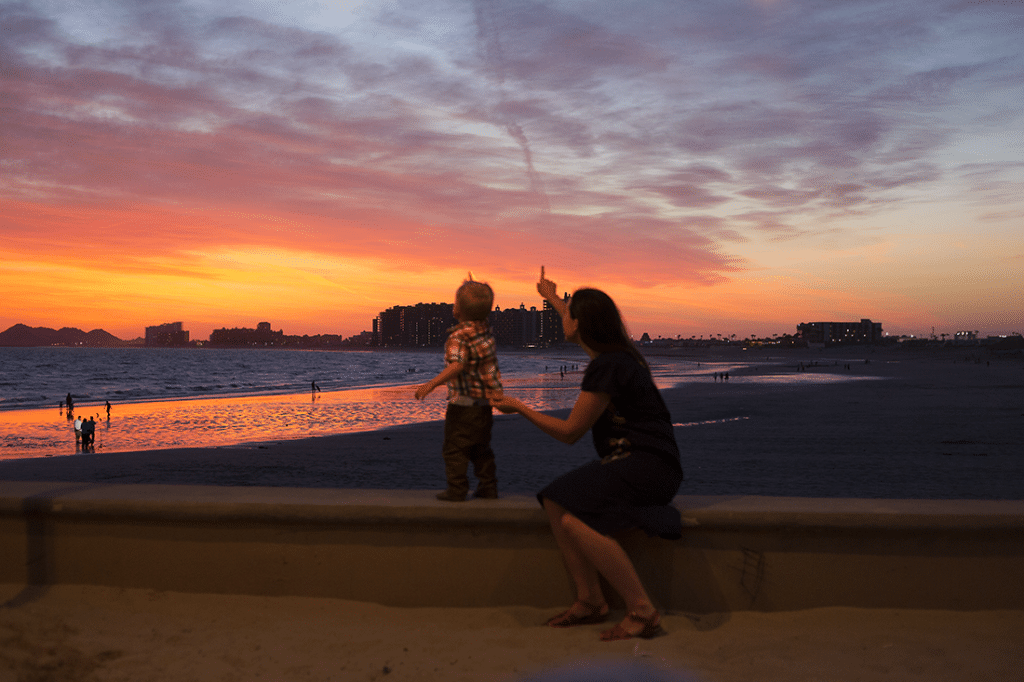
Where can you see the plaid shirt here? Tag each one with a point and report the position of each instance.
(472, 344)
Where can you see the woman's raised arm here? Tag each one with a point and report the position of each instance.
(549, 292)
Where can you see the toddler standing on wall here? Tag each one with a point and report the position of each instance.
(473, 379)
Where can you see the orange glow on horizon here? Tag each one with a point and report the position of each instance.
(309, 167)
(127, 280)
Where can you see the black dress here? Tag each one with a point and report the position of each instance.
(638, 473)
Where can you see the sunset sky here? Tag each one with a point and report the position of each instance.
(727, 166)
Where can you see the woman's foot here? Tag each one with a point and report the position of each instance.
(644, 623)
(580, 613)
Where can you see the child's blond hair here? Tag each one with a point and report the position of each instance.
(475, 300)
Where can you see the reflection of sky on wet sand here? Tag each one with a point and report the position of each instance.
(228, 421)
(668, 375)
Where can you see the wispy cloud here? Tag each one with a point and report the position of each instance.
(655, 143)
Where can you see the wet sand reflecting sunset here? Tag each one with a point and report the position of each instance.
(216, 422)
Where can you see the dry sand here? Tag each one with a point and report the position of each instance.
(83, 634)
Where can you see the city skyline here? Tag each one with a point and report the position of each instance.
(437, 318)
(735, 167)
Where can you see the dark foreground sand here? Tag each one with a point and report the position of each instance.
(84, 634)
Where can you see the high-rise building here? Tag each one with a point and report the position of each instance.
(418, 326)
(836, 333)
(170, 334)
(427, 324)
(262, 336)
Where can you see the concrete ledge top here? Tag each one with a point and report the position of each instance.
(324, 505)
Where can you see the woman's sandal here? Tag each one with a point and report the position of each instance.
(652, 628)
(567, 619)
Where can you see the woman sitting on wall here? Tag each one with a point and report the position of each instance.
(632, 483)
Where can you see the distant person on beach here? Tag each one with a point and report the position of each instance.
(78, 429)
(70, 402)
(473, 380)
(632, 483)
(108, 410)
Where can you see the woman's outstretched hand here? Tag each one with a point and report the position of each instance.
(507, 404)
(545, 287)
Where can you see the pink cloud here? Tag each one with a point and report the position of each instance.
(637, 146)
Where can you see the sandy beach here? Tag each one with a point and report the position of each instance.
(86, 634)
(887, 425)
(955, 425)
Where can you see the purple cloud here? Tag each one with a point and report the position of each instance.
(668, 132)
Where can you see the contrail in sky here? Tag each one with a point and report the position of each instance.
(489, 40)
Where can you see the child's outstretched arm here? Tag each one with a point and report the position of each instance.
(446, 375)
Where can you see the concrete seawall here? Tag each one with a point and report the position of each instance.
(404, 548)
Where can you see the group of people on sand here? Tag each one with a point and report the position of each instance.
(85, 432)
(85, 429)
(630, 485)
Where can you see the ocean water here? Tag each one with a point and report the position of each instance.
(169, 397)
(42, 377)
(164, 398)
(35, 378)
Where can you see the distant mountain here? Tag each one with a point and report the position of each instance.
(24, 336)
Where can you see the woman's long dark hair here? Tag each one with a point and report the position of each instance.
(600, 325)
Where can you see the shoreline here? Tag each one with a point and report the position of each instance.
(706, 355)
(161, 378)
(216, 422)
(226, 419)
(932, 429)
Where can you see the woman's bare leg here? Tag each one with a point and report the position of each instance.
(607, 556)
(582, 571)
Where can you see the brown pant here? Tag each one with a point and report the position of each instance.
(467, 438)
